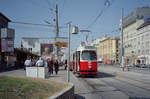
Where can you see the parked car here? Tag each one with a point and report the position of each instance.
(100, 62)
(148, 65)
(137, 65)
(143, 66)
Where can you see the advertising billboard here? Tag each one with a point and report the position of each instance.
(7, 45)
(46, 49)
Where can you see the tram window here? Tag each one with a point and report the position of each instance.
(89, 55)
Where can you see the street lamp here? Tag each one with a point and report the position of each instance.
(75, 30)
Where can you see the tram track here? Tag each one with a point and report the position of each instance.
(125, 81)
(118, 84)
(99, 84)
(137, 82)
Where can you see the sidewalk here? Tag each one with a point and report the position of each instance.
(139, 76)
(81, 90)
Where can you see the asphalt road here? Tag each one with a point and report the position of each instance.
(116, 84)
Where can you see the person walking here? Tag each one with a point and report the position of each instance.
(27, 63)
(56, 66)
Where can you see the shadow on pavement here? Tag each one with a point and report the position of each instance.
(104, 75)
(51, 76)
(99, 75)
(79, 96)
(138, 98)
(10, 69)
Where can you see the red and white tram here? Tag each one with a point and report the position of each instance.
(84, 60)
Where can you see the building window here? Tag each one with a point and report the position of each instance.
(147, 51)
(143, 52)
(139, 51)
(147, 44)
(142, 37)
(116, 50)
(147, 36)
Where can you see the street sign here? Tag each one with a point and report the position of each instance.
(61, 44)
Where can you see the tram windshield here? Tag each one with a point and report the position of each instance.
(89, 55)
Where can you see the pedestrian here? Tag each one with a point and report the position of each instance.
(50, 65)
(40, 62)
(56, 66)
(65, 64)
(45, 63)
(33, 62)
(27, 63)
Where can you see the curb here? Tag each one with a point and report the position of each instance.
(67, 93)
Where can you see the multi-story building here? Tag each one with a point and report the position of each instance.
(130, 25)
(108, 50)
(143, 42)
(38, 45)
(95, 42)
(42, 46)
(3, 24)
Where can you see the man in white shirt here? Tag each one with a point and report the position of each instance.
(40, 62)
(28, 63)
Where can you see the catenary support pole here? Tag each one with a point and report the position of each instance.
(122, 49)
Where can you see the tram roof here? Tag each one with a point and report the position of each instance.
(87, 47)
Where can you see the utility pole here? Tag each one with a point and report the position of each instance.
(57, 30)
(122, 49)
(68, 62)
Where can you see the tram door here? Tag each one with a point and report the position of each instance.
(78, 60)
(73, 62)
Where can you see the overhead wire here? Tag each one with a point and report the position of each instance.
(107, 4)
(115, 31)
(36, 4)
(35, 24)
(63, 6)
(50, 6)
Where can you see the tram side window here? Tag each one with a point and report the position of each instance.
(89, 55)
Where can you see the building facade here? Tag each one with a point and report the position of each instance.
(143, 42)
(3, 24)
(108, 50)
(38, 46)
(44, 47)
(130, 33)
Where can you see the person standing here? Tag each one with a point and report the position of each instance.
(50, 65)
(40, 62)
(56, 66)
(27, 63)
(33, 62)
(65, 64)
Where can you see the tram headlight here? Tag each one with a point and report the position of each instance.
(90, 66)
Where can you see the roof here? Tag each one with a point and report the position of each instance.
(43, 37)
(86, 47)
(144, 24)
(3, 16)
(109, 38)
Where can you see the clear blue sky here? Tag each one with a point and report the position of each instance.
(80, 12)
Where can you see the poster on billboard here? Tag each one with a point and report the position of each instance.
(46, 49)
(7, 45)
